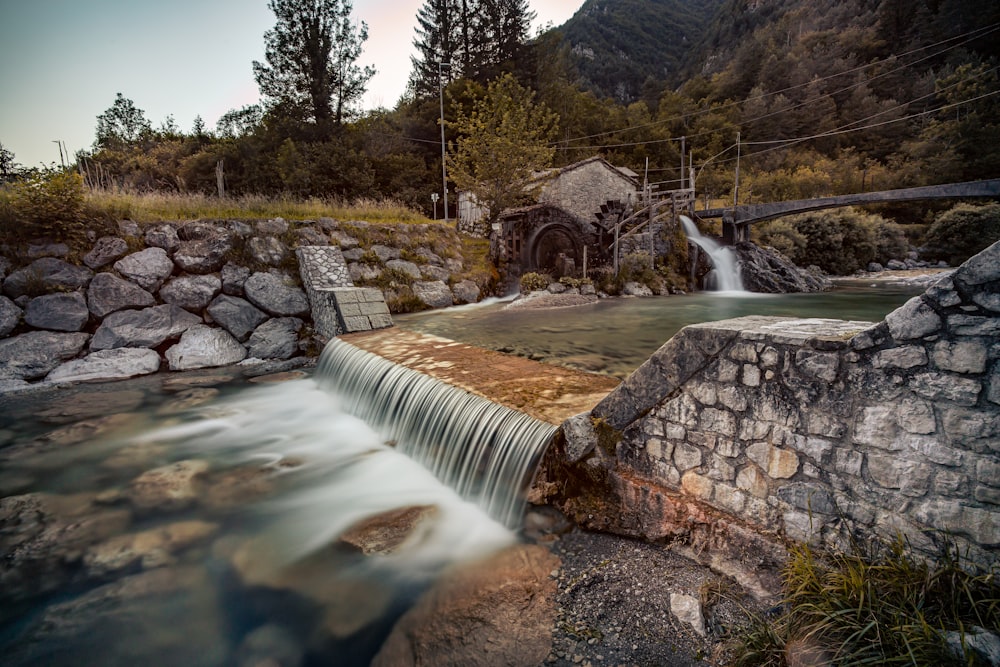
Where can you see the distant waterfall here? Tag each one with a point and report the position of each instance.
(486, 452)
(726, 273)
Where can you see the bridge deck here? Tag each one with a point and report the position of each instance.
(549, 393)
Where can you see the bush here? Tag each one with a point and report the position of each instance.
(962, 232)
(46, 204)
(839, 241)
(532, 282)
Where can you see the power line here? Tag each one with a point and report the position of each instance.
(966, 37)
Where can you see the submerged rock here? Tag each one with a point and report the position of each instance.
(384, 533)
(499, 611)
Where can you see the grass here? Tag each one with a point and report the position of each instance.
(876, 605)
(170, 206)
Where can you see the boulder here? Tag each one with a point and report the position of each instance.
(273, 226)
(147, 268)
(129, 228)
(361, 273)
(430, 272)
(32, 355)
(62, 311)
(433, 293)
(385, 253)
(205, 347)
(406, 268)
(310, 236)
(10, 316)
(163, 236)
(465, 292)
(275, 339)
(108, 293)
(46, 275)
(237, 316)
(274, 294)
(428, 256)
(147, 549)
(36, 250)
(168, 488)
(192, 293)
(496, 612)
(233, 279)
(116, 364)
(106, 250)
(201, 256)
(384, 533)
(635, 289)
(268, 250)
(148, 327)
(767, 271)
(200, 230)
(895, 265)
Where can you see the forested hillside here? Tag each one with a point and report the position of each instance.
(620, 46)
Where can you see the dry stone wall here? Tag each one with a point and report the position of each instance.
(816, 430)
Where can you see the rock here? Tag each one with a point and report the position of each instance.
(47, 250)
(353, 254)
(275, 295)
(310, 236)
(115, 364)
(360, 273)
(237, 316)
(559, 288)
(429, 272)
(344, 240)
(466, 292)
(895, 265)
(108, 293)
(46, 275)
(166, 616)
(385, 532)
(765, 270)
(406, 268)
(106, 250)
(496, 612)
(147, 268)
(147, 549)
(268, 250)
(636, 289)
(275, 339)
(10, 316)
(62, 311)
(32, 355)
(204, 347)
(129, 228)
(269, 646)
(385, 253)
(233, 279)
(168, 488)
(192, 293)
(979, 642)
(163, 236)
(42, 536)
(433, 293)
(875, 267)
(148, 327)
(428, 256)
(914, 319)
(687, 609)
(199, 230)
(274, 226)
(202, 256)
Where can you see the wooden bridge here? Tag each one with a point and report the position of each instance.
(736, 221)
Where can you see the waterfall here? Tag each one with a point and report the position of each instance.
(726, 273)
(484, 451)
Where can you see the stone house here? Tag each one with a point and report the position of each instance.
(552, 234)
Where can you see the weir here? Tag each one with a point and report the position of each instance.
(484, 451)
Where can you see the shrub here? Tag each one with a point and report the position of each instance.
(876, 605)
(890, 241)
(48, 203)
(532, 282)
(962, 232)
(839, 241)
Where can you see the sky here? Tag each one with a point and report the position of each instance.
(63, 61)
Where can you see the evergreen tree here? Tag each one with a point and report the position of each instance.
(439, 39)
(312, 54)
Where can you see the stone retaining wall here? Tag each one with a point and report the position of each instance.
(816, 430)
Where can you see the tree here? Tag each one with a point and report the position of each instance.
(502, 143)
(438, 40)
(239, 122)
(9, 169)
(121, 125)
(311, 56)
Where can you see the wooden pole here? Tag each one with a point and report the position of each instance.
(220, 179)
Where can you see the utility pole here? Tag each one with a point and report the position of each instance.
(736, 187)
(444, 166)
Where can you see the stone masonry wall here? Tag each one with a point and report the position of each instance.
(815, 430)
(583, 189)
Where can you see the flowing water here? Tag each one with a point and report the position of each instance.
(725, 276)
(254, 562)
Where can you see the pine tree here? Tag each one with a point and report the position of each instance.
(312, 54)
(439, 39)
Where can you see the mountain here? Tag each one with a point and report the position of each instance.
(620, 46)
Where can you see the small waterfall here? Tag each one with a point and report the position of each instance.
(486, 452)
(726, 272)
